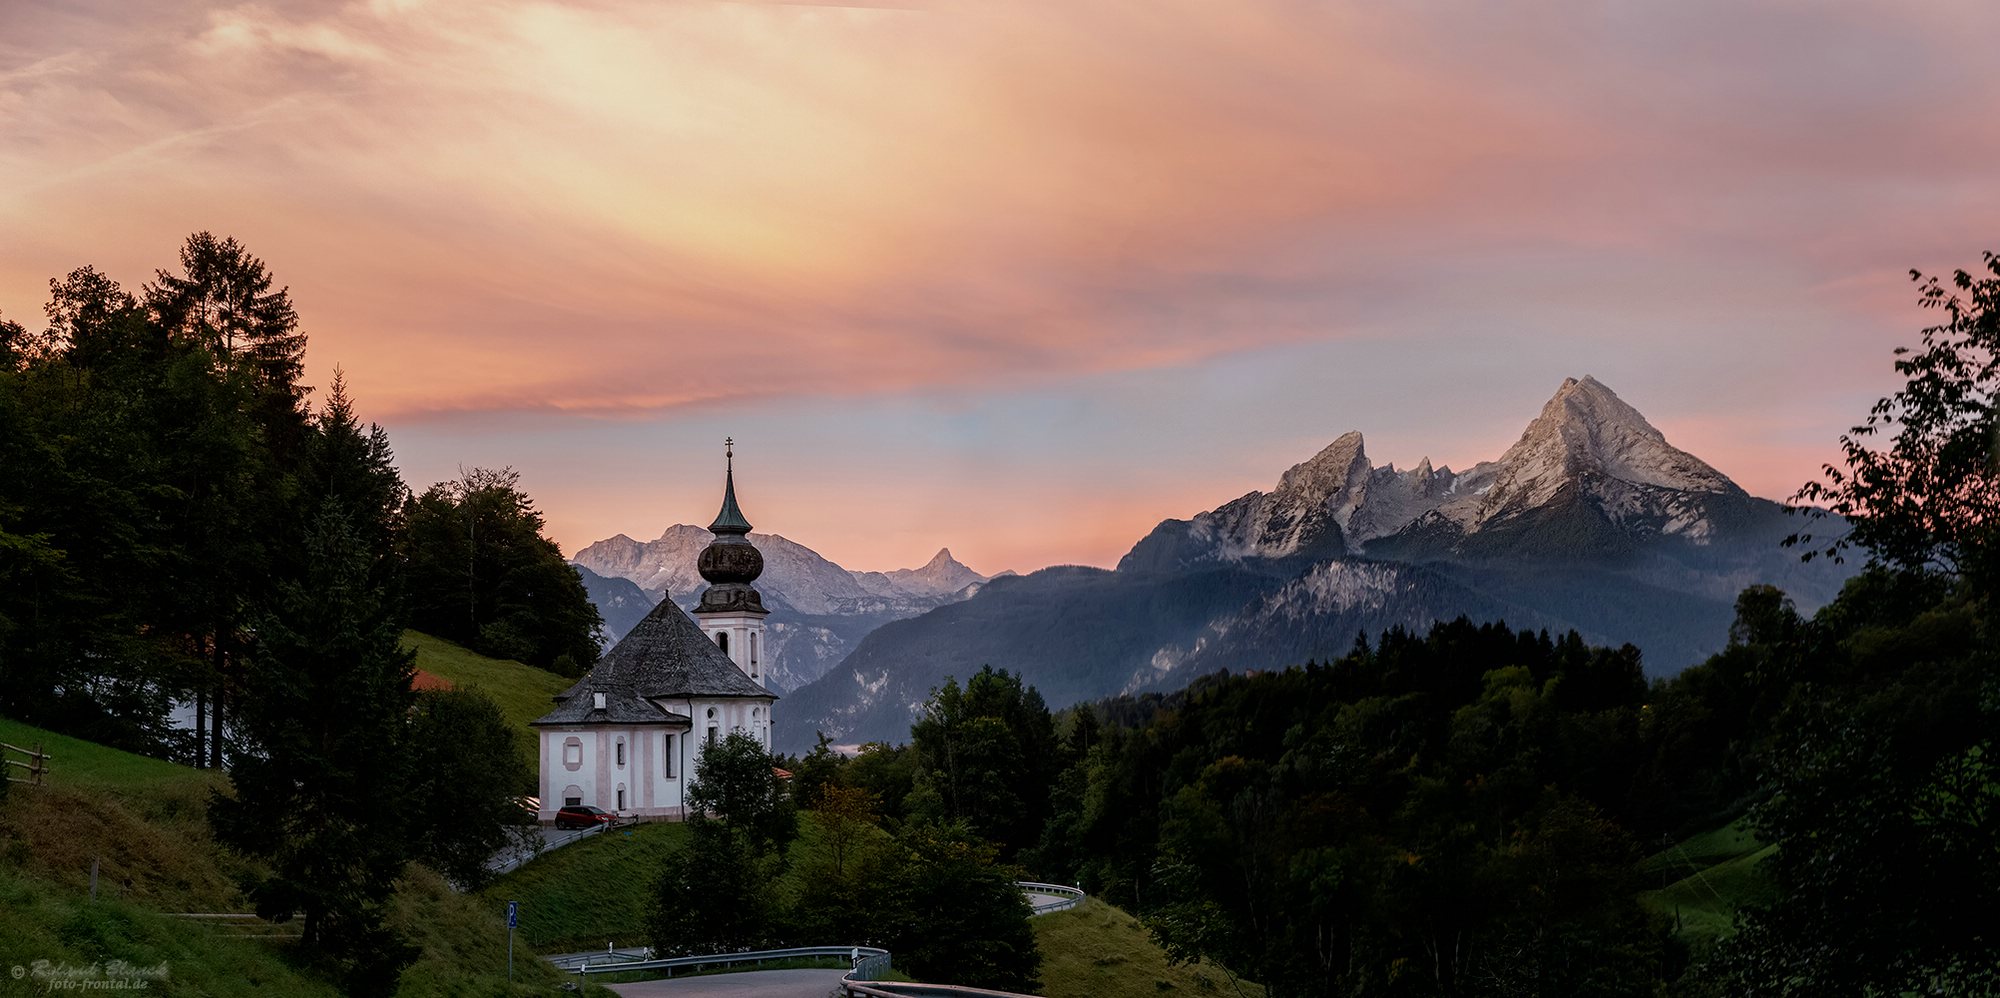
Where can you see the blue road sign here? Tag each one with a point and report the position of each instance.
(513, 913)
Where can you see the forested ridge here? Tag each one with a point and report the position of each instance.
(165, 470)
(187, 533)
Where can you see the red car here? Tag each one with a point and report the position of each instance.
(584, 816)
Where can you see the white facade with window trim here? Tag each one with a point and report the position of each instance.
(649, 764)
(664, 691)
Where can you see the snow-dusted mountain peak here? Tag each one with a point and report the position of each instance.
(1586, 429)
(1586, 445)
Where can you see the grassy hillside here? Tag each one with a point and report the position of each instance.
(145, 821)
(584, 895)
(1706, 878)
(522, 692)
(41, 921)
(1095, 950)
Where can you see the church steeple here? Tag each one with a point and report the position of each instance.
(731, 611)
(730, 520)
(730, 562)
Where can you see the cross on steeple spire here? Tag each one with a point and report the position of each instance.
(730, 520)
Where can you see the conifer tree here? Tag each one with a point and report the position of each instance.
(319, 790)
(223, 301)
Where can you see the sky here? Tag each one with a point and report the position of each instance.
(1023, 278)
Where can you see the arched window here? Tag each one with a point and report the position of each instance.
(722, 641)
(712, 726)
(753, 654)
(621, 796)
(572, 796)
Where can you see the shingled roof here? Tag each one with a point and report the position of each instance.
(666, 657)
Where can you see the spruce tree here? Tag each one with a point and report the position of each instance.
(223, 301)
(319, 790)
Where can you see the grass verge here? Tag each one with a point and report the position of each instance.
(595, 891)
(1095, 950)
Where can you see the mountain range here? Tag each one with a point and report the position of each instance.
(1591, 521)
(819, 610)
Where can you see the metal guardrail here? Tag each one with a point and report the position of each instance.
(1071, 896)
(869, 962)
(517, 855)
(893, 989)
(583, 963)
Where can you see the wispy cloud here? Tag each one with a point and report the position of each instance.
(617, 209)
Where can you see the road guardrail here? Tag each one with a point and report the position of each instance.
(868, 962)
(1071, 896)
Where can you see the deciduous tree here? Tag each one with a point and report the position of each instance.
(481, 572)
(735, 784)
(1930, 500)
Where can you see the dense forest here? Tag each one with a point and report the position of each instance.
(186, 537)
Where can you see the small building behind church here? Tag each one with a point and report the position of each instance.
(626, 736)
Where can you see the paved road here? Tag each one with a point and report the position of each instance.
(1043, 902)
(512, 855)
(750, 984)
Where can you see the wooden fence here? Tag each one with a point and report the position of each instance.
(37, 764)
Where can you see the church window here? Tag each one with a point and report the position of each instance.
(668, 766)
(621, 751)
(753, 654)
(573, 753)
(572, 795)
(621, 798)
(722, 641)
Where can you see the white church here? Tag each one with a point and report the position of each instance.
(626, 736)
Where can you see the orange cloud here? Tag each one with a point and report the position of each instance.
(617, 209)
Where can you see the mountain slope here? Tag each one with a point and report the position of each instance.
(819, 610)
(619, 601)
(1590, 521)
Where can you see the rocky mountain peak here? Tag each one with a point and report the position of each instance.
(1586, 443)
(942, 574)
(1339, 466)
(1586, 429)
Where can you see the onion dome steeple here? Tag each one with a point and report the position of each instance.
(730, 520)
(730, 562)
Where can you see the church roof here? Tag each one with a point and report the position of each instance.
(666, 657)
